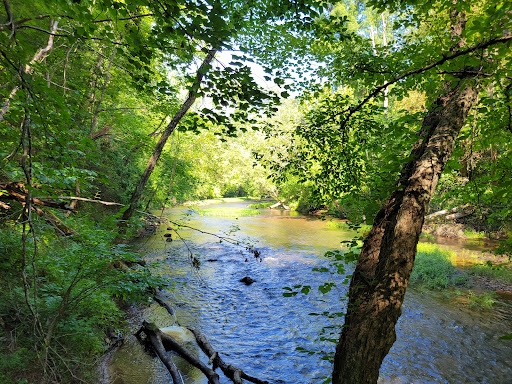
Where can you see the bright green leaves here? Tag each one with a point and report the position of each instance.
(293, 291)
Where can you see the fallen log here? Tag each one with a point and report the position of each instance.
(162, 341)
(282, 203)
(467, 210)
(17, 191)
(77, 198)
(458, 215)
(154, 336)
(234, 373)
(56, 223)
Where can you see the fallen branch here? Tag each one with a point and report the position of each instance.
(90, 200)
(55, 222)
(170, 344)
(235, 374)
(458, 215)
(282, 203)
(159, 340)
(165, 305)
(18, 192)
(452, 214)
(441, 213)
(155, 337)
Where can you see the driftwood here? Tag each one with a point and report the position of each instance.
(162, 342)
(155, 337)
(164, 304)
(282, 203)
(235, 374)
(452, 214)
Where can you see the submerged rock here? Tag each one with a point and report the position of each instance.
(181, 334)
(247, 280)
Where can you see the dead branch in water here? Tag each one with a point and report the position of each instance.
(162, 342)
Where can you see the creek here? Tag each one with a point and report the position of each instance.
(257, 329)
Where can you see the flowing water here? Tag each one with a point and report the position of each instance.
(259, 330)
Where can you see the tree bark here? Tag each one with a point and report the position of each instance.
(378, 285)
(137, 193)
(40, 55)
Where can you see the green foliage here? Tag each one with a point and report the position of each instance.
(497, 271)
(485, 300)
(261, 205)
(347, 226)
(12, 362)
(228, 212)
(73, 287)
(433, 268)
(93, 104)
(470, 234)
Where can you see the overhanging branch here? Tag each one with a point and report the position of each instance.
(352, 110)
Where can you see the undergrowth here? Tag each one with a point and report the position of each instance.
(433, 268)
(501, 272)
(60, 297)
(347, 226)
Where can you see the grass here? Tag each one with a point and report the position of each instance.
(434, 269)
(485, 300)
(261, 205)
(471, 234)
(501, 272)
(230, 212)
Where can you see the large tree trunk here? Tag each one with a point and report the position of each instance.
(382, 273)
(137, 193)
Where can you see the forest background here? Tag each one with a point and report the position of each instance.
(132, 103)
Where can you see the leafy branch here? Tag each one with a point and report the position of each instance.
(497, 40)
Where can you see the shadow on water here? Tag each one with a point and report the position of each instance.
(259, 330)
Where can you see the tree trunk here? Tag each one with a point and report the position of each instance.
(137, 193)
(382, 273)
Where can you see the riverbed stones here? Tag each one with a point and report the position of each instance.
(247, 280)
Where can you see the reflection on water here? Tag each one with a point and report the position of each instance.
(259, 330)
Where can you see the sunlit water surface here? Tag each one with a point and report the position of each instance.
(259, 330)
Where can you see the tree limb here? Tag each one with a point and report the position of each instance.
(155, 337)
(497, 40)
(18, 192)
(205, 65)
(40, 55)
(235, 374)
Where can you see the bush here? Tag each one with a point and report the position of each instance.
(433, 267)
